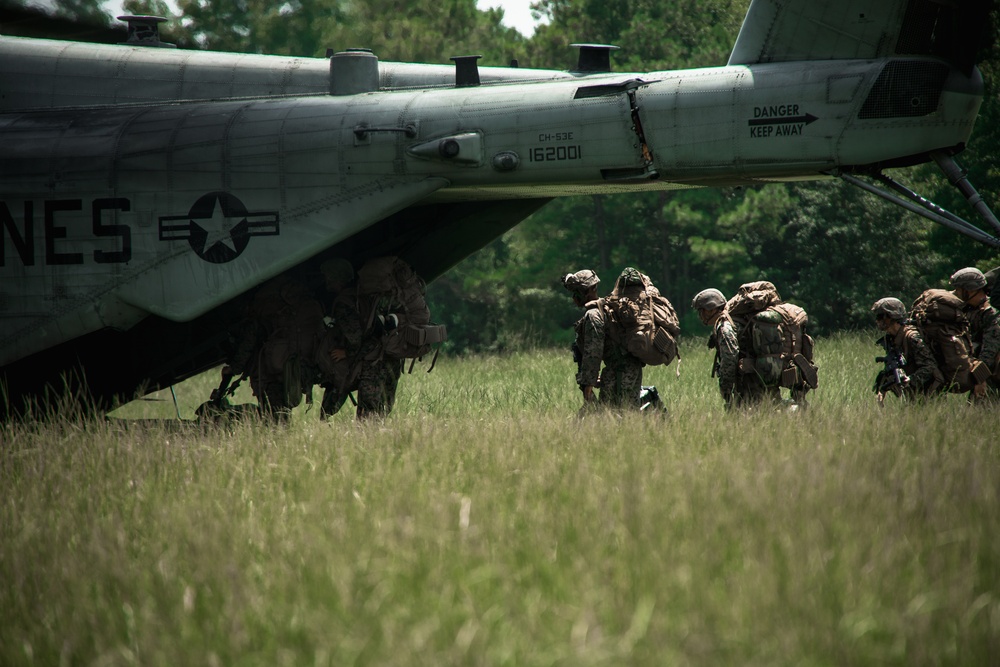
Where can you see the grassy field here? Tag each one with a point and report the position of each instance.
(483, 523)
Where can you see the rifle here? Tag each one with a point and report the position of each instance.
(892, 377)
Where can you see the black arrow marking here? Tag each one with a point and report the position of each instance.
(783, 120)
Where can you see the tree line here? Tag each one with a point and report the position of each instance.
(827, 246)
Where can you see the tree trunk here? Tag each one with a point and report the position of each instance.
(665, 250)
(600, 222)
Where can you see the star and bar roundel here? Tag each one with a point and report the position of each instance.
(215, 214)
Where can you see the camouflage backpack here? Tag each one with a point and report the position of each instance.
(387, 285)
(750, 299)
(940, 317)
(773, 343)
(642, 320)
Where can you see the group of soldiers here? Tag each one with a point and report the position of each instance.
(913, 364)
(913, 369)
(350, 340)
(320, 330)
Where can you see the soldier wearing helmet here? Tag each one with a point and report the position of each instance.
(620, 381)
(972, 286)
(351, 354)
(910, 369)
(711, 307)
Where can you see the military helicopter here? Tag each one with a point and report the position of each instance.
(146, 191)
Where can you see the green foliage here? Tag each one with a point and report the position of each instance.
(426, 31)
(833, 249)
(485, 524)
(148, 8)
(395, 31)
(258, 26)
(653, 35)
(85, 11)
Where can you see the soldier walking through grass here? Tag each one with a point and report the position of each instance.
(620, 381)
(352, 354)
(711, 307)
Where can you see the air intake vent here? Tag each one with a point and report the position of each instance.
(144, 31)
(905, 89)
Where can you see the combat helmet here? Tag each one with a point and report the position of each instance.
(708, 299)
(969, 278)
(890, 307)
(581, 281)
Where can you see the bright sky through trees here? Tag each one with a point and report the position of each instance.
(516, 14)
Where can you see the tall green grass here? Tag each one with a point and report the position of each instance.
(484, 523)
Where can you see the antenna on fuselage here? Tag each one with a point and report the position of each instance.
(144, 31)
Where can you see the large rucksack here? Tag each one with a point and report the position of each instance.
(389, 284)
(750, 299)
(642, 320)
(940, 316)
(773, 343)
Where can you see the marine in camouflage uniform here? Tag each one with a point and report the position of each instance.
(920, 375)
(972, 286)
(275, 345)
(358, 347)
(711, 307)
(620, 382)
